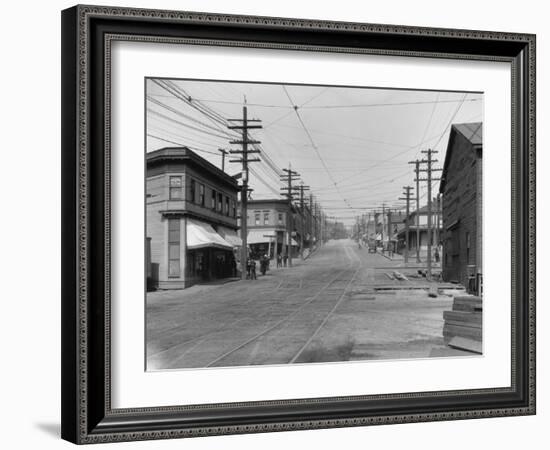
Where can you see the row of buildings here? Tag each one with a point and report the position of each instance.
(388, 229)
(193, 223)
(456, 230)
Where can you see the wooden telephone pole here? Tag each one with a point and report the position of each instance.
(245, 141)
(224, 152)
(429, 179)
(301, 188)
(417, 216)
(288, 192)
(407, 197)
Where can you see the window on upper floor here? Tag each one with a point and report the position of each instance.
(201, 194)
(226, 206)
(266, 218)
(257, 216)
(213, 200)
(192, 190)
(280, 218)
(175, 188)
(220, 202)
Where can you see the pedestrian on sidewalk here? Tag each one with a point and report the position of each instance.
(285, 259)
(248, 268)
(279, 261)
(233, 267)
(252, 269)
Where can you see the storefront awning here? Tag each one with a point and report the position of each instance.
(230, 236)
(201, 235)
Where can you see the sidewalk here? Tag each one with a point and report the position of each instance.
(394, 257)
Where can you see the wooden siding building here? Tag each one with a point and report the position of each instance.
(461, 190)
(267, 226)
(191, 228)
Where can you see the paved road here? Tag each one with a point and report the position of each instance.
(335, 306)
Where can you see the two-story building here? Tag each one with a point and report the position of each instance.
(267, 227)
(461, 188)
(418, 230)
(191, 209)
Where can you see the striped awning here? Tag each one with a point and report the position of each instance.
(230, 236)
(202, 235)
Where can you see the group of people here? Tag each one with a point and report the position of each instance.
(251, 267)
(282, 260)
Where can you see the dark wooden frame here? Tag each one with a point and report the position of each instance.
(87, 32)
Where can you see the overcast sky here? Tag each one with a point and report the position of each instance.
(350, 145)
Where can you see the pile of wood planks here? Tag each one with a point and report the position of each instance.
(463, 325)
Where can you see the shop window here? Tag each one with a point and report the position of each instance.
(174, 248)
(175, 188)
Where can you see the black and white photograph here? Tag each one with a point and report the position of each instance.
(299, 224)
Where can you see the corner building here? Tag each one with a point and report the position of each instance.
(191, 228)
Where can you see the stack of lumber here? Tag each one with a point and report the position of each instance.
(463, 325)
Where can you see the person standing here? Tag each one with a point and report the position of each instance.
(252, 269)
(279, 261)
(248, 268)
(285, 259)
(263, 264)
(233, 267)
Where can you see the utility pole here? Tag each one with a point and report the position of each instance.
(383, 224)
(245, 160)
(311, 224)
(289, 176)
(429, 179)
(302, 188)
(437, 219)
(417, 216)
(224, 152)
(407, 197)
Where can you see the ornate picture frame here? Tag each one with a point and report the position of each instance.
(88, 33)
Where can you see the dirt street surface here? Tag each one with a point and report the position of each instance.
(338, 305)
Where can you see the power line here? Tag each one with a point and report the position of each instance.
(372, 105)
(313, 143)
(179, 122)
(179, 143)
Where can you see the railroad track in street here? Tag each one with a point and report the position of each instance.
(175, 353)
(320, 296)
(316, 311)
(296, 357)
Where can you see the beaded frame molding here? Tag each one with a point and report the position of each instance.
(87, 35)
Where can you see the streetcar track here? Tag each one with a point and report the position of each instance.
(325, 320)
(324, 290)
(267, 330)
(203, 337)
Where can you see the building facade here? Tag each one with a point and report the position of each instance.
(191, 229)
(461, 190)
(418, 232)
(267, 228)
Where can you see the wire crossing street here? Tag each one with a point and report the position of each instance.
(337, 305)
